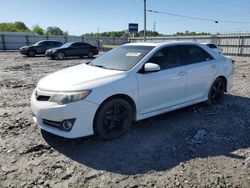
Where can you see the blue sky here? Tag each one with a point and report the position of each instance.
(81, 16)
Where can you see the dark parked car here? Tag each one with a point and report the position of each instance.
(39, 47)
(71, 49)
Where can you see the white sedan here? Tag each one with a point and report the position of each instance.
(129, 83)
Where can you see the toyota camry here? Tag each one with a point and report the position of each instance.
(129, 83)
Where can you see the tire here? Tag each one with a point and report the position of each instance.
(90, 54)
(113, 119)
(60, 55)
(216, 91)
(31, 53)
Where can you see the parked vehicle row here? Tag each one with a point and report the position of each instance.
(58, 50)
(129, 83)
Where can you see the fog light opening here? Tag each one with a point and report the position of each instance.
(67, 125)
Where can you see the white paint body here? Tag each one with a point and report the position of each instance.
(153, 93)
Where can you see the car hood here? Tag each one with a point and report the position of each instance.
(25, 47)
(54, 48)
(77, 78)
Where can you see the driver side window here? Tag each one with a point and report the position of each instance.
(167, 58)
(43, 44)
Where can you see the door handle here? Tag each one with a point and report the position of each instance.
(182, 73)
(213, 66)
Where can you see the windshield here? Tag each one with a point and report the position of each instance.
(36, 44)
(122, 58)
(66, 45)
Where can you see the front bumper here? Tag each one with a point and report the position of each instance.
(24, 51)
(82, 111)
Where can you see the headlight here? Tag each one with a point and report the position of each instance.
(66, 98)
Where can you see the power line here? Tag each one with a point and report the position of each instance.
(145, 20)
(177, 15)
(196, 18)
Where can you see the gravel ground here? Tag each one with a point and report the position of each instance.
(198, 146)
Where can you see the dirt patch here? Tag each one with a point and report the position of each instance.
(198, 146)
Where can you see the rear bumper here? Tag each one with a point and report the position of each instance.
(82, 111)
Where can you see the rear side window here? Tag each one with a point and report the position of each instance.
(194, 54)
(43, 43)
(80, 45)
(85, 45)
(167, 58)
(51, 43)
(76, 45)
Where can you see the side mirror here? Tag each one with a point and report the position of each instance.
(151, 67)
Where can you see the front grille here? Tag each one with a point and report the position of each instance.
(43, 98)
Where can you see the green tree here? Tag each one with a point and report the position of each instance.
(20, 26)
(66, 33)
(187, 33)
(37, 29)
(148, 33)
(54, 31)
(14, 27)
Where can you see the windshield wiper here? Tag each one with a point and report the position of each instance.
(101, 66)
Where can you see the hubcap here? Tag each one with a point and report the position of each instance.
(60, 55)
(90, 55)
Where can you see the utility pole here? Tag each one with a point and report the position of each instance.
(98, 38)
(145, 20)
(154, 27)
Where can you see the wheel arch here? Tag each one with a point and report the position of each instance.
(122, 96)
(60, 51)
(32, 49)
(225, 81)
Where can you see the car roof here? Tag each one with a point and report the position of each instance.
(163, 44)
(157, 44)
(74, 42)
(48, 41)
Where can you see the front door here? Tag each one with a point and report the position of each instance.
(165, 88)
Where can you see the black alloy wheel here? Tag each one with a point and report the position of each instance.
(90, 54)
(216, 91)
(113, 119)
(60, 55)
(31, 53)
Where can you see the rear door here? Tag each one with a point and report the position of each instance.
(85, 49)
(51, 44)
(82, 49)
(201, 69)
(165, 88)
(73, 50)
